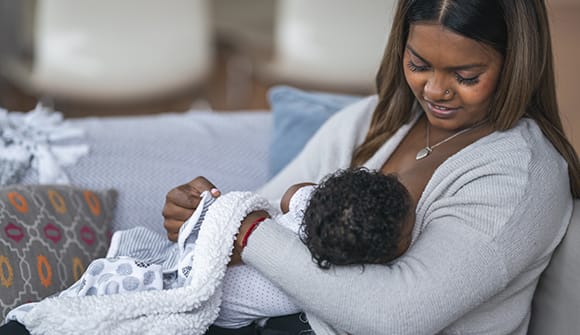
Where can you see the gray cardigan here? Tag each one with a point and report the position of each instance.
(486, 226)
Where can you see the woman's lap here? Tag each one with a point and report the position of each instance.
(13, 328)
(295, 324)
(284, 325)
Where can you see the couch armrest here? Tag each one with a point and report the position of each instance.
(556, 305)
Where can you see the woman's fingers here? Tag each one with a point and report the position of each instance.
(186, 196)
(171, 211)
(172, 235)
(183, 196)
(201, 184)
(181, 202)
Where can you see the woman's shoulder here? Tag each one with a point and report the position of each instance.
(507, 169)
(522, 147)
(510, 184)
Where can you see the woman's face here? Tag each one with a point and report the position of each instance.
(453, 77)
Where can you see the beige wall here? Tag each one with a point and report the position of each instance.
(564, 16)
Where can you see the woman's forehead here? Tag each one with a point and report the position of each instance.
(437, 44)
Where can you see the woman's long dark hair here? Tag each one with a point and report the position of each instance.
(518, 29)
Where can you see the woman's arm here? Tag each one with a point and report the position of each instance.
(484, 242)
(423, 292)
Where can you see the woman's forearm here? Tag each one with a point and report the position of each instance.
(403, 298)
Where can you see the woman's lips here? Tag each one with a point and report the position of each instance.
(441, 111)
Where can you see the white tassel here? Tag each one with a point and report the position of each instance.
(69, 155)
(34, 137)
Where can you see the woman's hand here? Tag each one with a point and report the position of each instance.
(247, 224)
(180, 203)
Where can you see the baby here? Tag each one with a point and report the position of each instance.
(347, 219)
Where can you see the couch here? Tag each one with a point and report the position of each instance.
(54, 230)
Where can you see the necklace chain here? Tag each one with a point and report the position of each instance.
(424, 152)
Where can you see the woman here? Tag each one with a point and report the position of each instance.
(466, 115)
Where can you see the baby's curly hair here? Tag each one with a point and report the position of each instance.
(355, 216)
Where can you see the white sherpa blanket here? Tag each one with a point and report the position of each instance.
(187, 310)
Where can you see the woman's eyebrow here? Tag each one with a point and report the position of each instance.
(417, 55)
(449, 68)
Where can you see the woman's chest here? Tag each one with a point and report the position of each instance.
(416, 157)
(413, 170)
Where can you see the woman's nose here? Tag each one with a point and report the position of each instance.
(436, 88)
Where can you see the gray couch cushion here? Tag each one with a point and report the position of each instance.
(556, 308)
(143, 157)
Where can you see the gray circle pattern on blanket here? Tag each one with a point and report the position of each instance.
(148, 277)
(105, 277)
(92, 291)
(130, 283)
(124, 269)
(112, 288)
(96, 268)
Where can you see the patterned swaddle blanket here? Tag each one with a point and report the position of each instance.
(138, 260)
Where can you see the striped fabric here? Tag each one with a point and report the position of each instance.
(144, 245)
(148, 246)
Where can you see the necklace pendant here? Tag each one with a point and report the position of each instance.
(423, 153)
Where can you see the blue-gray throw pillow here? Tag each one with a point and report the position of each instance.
(297, 115)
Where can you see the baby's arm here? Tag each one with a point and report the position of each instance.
(293, 205)
(287, 197)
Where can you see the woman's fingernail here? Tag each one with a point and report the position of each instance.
(215, 192)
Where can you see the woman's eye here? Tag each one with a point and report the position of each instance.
(467, 81)
(416, 68)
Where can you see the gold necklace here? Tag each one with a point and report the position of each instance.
(424, 152)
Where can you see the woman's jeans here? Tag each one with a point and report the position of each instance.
(295, 324)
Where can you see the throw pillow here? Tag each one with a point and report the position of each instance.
(297, 115)
(48, 235)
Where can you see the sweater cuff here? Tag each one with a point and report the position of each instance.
(269, 236)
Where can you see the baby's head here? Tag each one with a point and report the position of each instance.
(357, 216)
